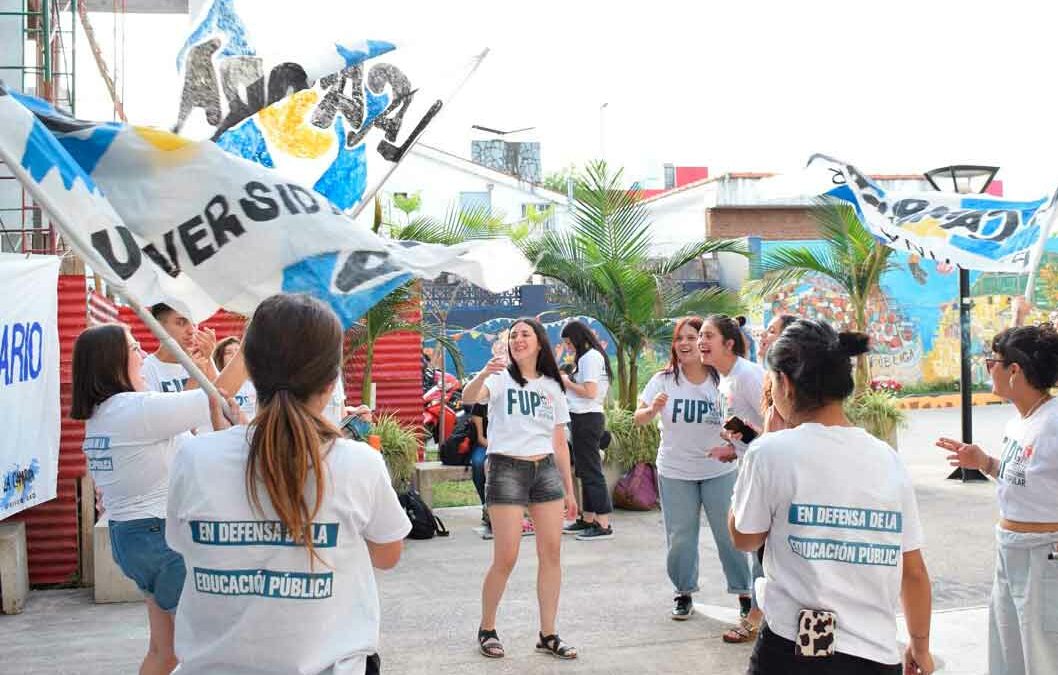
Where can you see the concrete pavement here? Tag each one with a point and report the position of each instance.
(615, 598)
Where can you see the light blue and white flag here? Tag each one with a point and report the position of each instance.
(326, 110)
(975, 232)
(186, 223)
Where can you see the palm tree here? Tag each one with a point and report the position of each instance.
(605, 261)
(850, 257)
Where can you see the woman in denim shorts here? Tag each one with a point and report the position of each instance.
(528, 467)
(131, 435)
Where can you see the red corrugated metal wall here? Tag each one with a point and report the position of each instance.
(51, 528)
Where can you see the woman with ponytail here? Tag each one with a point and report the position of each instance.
(281, 522)
(838, 511)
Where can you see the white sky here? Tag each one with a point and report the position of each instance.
(893, 87)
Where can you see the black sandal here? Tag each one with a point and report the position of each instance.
(553, 645)
(489, 644)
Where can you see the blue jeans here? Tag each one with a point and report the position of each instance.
(682, 502)
(139, 549)
(477, 470)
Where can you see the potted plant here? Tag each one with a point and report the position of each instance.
(400, 445)
(877, 412)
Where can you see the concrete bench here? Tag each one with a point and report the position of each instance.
(14, 568)
(427, 474)
(111, 584)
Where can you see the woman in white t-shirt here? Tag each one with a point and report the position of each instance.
(281, 522)
(130, 438)
(838, 511)
(528, 467)
(722, 344)
(1023, 615)
(586, 393)
(246, 397)
(687, 398)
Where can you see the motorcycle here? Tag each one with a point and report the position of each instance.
(434, 406)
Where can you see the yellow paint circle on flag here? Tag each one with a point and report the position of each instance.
(286, 126)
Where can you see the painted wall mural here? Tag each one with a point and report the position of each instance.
(914, 325)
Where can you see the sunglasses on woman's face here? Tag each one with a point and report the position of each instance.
(990, 363)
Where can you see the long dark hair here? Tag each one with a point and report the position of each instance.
(1035, 349)
(293, 351)
(817, 360)
(584, 340)
(694, 322)
(730, 330)
(545, 360)
(100, 368)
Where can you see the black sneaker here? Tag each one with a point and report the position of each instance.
(595, 532)
(576, 527)
(682, 608)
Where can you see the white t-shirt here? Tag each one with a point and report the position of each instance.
(130, 441)
(246, 398)
(840, 512)
(742, 389)
(590, 368)
(690, 427)
(1028, 467)
(252, 602)
(162, 376)
(522, 420)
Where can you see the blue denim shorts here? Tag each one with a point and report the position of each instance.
(522, 481)
(139, 549)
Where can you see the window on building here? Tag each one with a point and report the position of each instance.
(547, 223)
(670, 176)
(469, 201)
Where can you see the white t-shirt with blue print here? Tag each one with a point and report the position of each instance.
(840, 512)
(690, 427)
(522, 420)
(253, 601)
(130, 441)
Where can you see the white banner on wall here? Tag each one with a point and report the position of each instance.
(29, 381)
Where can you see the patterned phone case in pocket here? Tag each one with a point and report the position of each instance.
(816, 629)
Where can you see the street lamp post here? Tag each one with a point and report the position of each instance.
(964, 179)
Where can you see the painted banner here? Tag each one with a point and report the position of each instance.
(29, 381)
(327, 112)
(186, 223)
(975, 232)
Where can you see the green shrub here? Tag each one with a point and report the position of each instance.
(877, 413)
(400, 446)
(632, 443)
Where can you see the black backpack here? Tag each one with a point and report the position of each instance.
(455, 451)
(424, 524)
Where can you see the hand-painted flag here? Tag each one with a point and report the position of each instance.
(976, 232)
(333, 114)
(183, 222)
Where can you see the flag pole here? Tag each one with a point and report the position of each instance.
(87, 253)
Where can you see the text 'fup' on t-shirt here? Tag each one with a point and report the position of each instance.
(522, 420)
(690, 426)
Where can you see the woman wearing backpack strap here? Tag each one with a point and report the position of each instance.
(528, 467)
